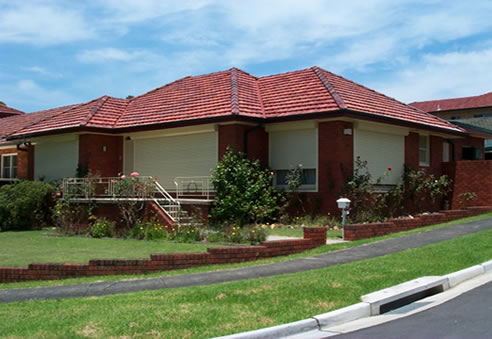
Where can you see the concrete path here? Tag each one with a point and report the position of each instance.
(371, 250)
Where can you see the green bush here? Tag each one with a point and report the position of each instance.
(102, 228)
(244, 191)
(25, 205)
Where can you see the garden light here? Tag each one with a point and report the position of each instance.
(343, 204)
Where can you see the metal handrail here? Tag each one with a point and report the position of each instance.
(193, 186)
(105, 187)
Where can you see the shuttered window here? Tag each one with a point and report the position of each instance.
(175, 156)
(381, 151)
(289, 149)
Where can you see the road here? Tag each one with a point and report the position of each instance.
(466, 316)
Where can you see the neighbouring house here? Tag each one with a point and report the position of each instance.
(471, 113)
(8, 153)
(177, 133)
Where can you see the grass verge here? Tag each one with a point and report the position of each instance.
(319, 250)
(221, 309)
(23, 248)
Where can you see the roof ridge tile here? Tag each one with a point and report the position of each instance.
(234, 92)
(94, 110)
(260, 98)
(331, 89)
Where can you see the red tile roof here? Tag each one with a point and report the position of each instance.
(228, 94)
(9, 110)
(484, 100)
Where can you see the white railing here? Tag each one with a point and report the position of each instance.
(136, 187)
(193, 187)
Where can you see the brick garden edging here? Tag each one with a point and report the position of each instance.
(313, 237)
(363, 231)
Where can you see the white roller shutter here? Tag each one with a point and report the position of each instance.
(381, 151)
(176, 156)
(56, 159)
(291, 148)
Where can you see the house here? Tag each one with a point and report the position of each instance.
(471, 113)
(6, 111)
(310, 117)
(8, 154)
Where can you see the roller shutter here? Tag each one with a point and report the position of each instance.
(381, 151)
(176, 156)
(55, 160)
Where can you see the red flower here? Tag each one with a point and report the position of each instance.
(62, 188)
(389, 168)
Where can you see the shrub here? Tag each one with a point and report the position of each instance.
(185, 233)
(25, 205)
(244, 191)
(102, 228)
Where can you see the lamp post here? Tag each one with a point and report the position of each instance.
(343, 204)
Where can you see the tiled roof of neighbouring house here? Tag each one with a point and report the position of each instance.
(231, 93)
(484, 100)
(9, 110)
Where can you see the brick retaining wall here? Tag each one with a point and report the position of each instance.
(313, 237)
(363, 231)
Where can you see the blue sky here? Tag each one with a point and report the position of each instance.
(54, 53)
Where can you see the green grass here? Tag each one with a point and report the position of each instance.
(221, 309)
(23, 248)
(319, 250)
(296, 231)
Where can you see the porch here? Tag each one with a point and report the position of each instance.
(174, 204)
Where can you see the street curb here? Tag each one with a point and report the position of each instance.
(280, 331)
(359, 310)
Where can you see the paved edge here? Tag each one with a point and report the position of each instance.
(344, 256)
(360, 310)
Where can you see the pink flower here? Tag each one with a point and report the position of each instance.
(272, 173)
(70, 180)
(58, 194)
(123, 176)
(154, 180)
(113, 181)
(62, 188)
(134, 174)
(300, 165)
(389, 168)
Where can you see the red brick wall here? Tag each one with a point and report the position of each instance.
(467, 142)
(470, 176)
(92, 155)
(234, 135)
(313, 237)
(25, 164)
(412, 150)
(364, 231)
(335, 162)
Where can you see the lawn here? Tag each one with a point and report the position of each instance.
(226, 308)
(319, 250)
(296, 231)
(23, 248)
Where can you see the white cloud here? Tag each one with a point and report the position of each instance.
(27, 95)
(437, 76)
(41, 23)
(108, 54)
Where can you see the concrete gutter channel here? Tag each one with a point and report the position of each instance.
(372, 304)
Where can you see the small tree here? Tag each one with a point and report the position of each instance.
(244, 191)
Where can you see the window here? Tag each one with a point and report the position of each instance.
(445, 152)
(424, 150)
(9, 166)
(308, 178)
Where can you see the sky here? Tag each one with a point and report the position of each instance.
(54, 53)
